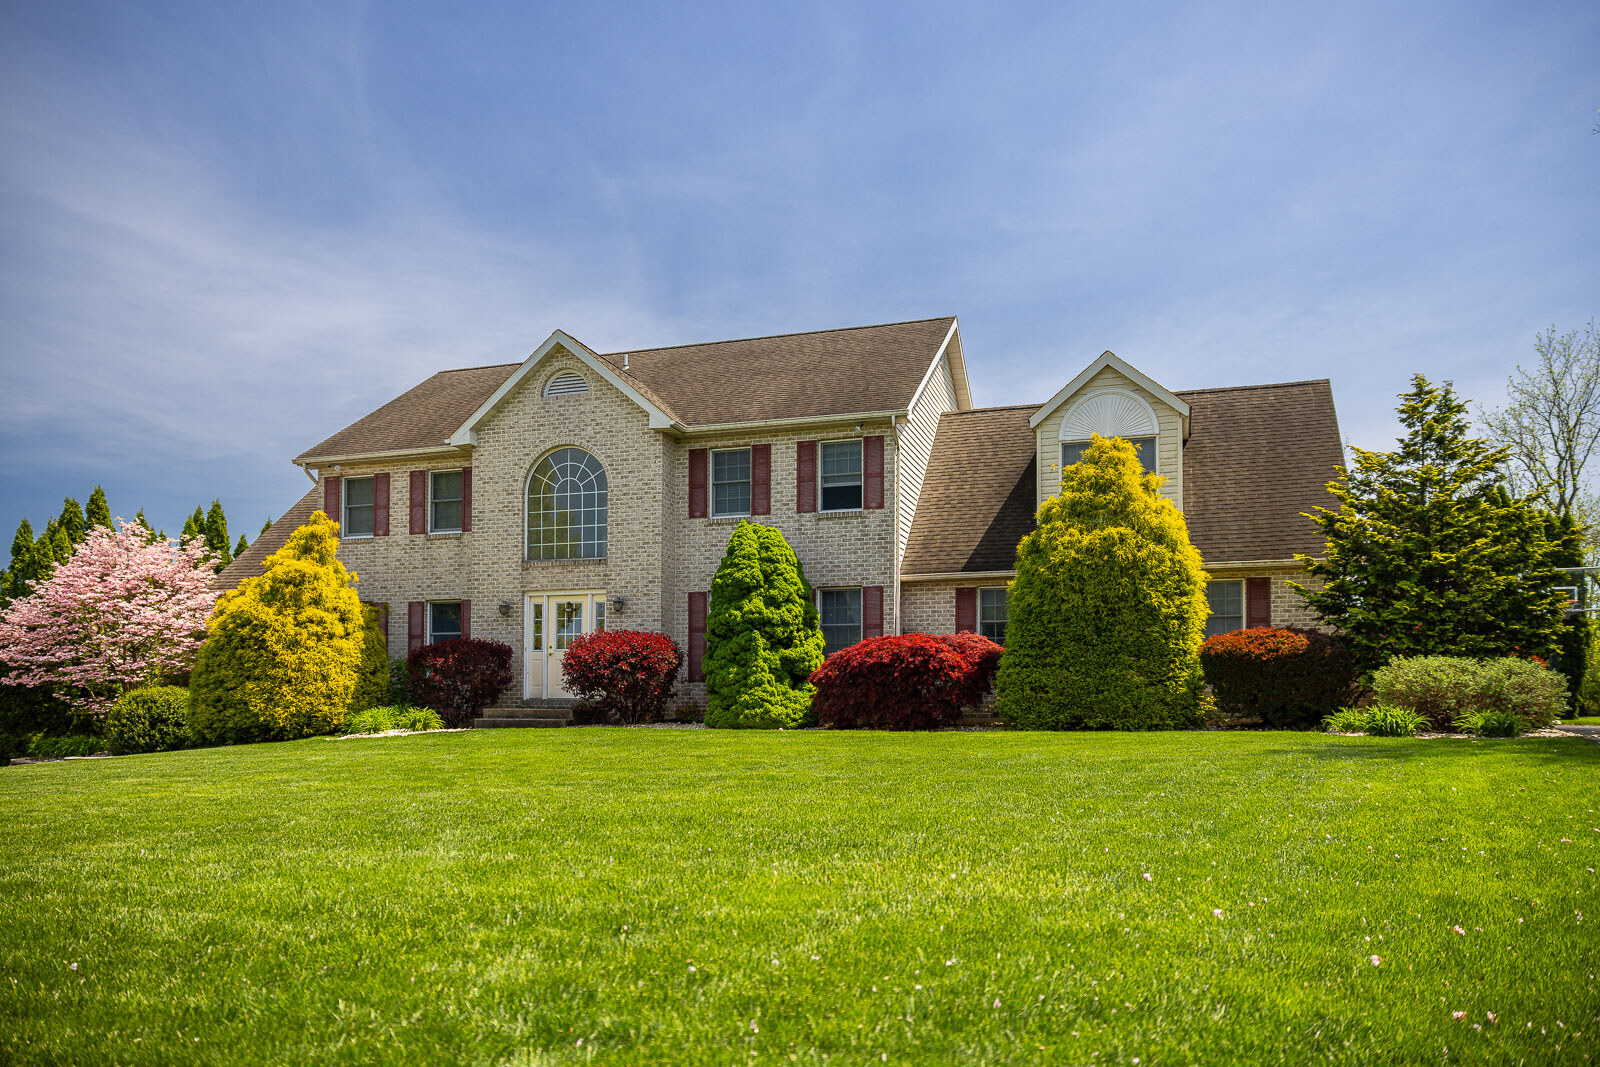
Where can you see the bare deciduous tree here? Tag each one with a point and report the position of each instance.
(1551, 421)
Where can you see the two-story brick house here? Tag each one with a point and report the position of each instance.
(532, 502)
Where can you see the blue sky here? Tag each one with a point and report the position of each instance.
(228, 230)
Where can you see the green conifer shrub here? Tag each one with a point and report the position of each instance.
(284, 650)
(372, 681)
(763, 635)
(215, 532)
(98, 512)
(72, 524)
(238, 549)
(150, 719)
(1108, 608)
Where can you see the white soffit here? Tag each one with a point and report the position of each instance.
(1121, 366)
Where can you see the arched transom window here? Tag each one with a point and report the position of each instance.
(567, 507)
(1110, 413)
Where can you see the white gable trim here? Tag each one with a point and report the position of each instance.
(468, 433)
(957, 368)
(1121, 366)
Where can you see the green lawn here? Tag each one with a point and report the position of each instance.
(541, 897)
(1584, 720)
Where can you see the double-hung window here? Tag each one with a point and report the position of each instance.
(444, 502)
(841, 475)
(992, 613)
(841, 618)
(444, 621)
(1226, 600)
(730, 481)
(358, 507)
(1072, 451)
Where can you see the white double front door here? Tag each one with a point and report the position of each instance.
(551, 622)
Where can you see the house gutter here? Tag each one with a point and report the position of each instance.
(956, 576)
(794, 423)
(398, 453)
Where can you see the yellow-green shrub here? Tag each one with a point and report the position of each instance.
(372, 679)
(1108, 608)
(284, 648)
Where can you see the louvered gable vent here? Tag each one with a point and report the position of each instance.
(566, 384)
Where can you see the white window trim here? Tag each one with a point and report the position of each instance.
(432, 529)
(428, 620)
(861, 607)
(711, 483)
(1243, 614)
(862, 441)
(979, 606)
(344, 507)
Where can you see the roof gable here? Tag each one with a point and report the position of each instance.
(1121, 366)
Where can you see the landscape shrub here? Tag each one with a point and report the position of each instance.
(1346, 721)
(763, 635)
(60, 746)
(1289, 677)
(1385, 720)
(26, 710)
(1490, 724)
(982, 657)
(284, 649)
(1108, 608)
(628, 674)
(152, 719)
(372, 674)
(1445, 689)
(384, 717)
(459, 678)
(904, 682)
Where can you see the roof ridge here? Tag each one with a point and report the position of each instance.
(998, 407)
(1263, 385)
(771, 336)
(480, 366)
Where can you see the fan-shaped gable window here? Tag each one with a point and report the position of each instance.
(566, 384)
(567, 507)
(1110, 413)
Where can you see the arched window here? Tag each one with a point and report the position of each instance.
(1110, 413)
(567, 507)
(566, 384)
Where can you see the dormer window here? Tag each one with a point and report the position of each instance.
(1110, 413)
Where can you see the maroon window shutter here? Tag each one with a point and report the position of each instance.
(419, 502)
(380, 505)
(1257, 602)
(416, 628)
(383, 619)
(872, 471)
(466, 619)
(466, 499)
(330, 499)
(805, 476)
(697, 636)
(760, 479)
(697, 483)
(872, 611)
(967, 609)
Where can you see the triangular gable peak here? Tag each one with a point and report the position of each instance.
(1122, 367)
(561, 343)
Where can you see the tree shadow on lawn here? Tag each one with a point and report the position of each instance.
(1549, 749)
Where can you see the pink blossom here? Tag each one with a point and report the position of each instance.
(1375, 960)
(122, 612)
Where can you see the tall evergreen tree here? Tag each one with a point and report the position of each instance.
(216, 535)
(194, 525)
(238, 549)
(72, 523)
(1428, 554)
(57, 545)
(265, 527)
(98, 512)
(16, 580)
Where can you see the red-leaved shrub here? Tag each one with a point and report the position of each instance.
(983, 660)
(628, 674)
(908, 682)
(1289, 677)
(460, 678)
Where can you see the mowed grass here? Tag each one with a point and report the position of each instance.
(636, 896)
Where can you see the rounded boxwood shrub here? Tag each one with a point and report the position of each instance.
(1108, 607)
(628, 674)
(1447, 689)
(906, 682)
(459, 678)
(151, 719)
(1289, 677)
(763, 635)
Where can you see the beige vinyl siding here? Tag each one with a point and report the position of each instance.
(1169, 446)
(915, 445)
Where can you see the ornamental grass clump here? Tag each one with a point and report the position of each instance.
(1108, 608)
(623, 674)
(1288, 677)
(763, 635)
(1385, 720)
(284, 652)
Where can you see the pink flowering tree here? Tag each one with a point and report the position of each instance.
(123, 612)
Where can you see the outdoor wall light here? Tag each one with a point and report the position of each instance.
(620, 603)
(505, 608)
